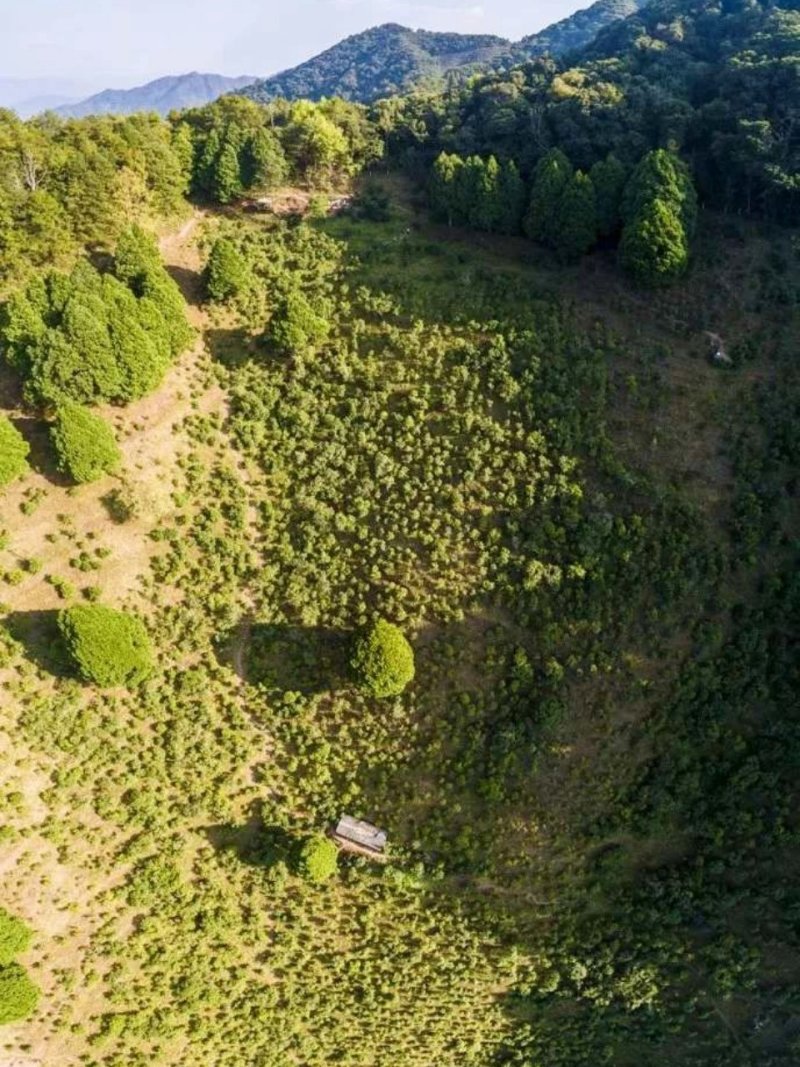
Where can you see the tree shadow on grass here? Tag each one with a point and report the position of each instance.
(299, 659)
(254, 843)
(234, 348)
(190, 283)
(38, 633)
(42, 458)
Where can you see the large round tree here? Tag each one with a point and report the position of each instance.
(383, 660)
(108, 647)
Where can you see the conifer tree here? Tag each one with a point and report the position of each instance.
(226, 273)
(576, 218)
(205, 169)
(511, 195)
(654, 248)
(14, 450)
(442, 187)
(467, 190)
(608, 178)
(552, 173)
(84, 443)
(663, 175)
(485, 207)
(263, 161)
(227, 175)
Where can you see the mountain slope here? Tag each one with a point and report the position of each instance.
(163, 95)
(577, 30)
(392, 59)
(379, 62)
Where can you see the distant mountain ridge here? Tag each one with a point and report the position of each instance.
(391, 59)
(30, 96)
(163, 95)
(379, 62)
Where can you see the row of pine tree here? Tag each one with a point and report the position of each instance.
(650, 210)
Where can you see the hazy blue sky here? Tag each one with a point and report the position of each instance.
(122, 42)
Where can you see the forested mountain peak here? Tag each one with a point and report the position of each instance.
(379, 62)
(391, 58)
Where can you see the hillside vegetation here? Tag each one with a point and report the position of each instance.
(716, 83)
(392, 59)
(458, 496)
(379, 62)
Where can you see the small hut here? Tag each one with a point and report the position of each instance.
(355, 835)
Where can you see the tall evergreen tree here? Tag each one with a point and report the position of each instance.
(227, 175)
(511, 195)
(654, 246)
(479, 192)
(552, 173)
(442, 187)
(661, 175)
(608, 178)
(576, 218)
(467, 185)
(263, 161)
(205, 168)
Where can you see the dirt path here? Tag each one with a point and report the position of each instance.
(173, 245)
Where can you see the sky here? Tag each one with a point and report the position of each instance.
(119, 43)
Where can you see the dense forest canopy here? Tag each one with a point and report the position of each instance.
(718, 83)
(432, 462)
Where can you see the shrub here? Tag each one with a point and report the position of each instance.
(14, 937)
(109, 647)
(383, 660)
(226, 274)
(121, 504)
(85, 445)
(18, 995)
(14, 451)
(296, 326)
(318, 859)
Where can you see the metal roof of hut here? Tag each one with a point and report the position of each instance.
(351, 832)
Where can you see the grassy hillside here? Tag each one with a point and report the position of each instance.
(588, 534)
